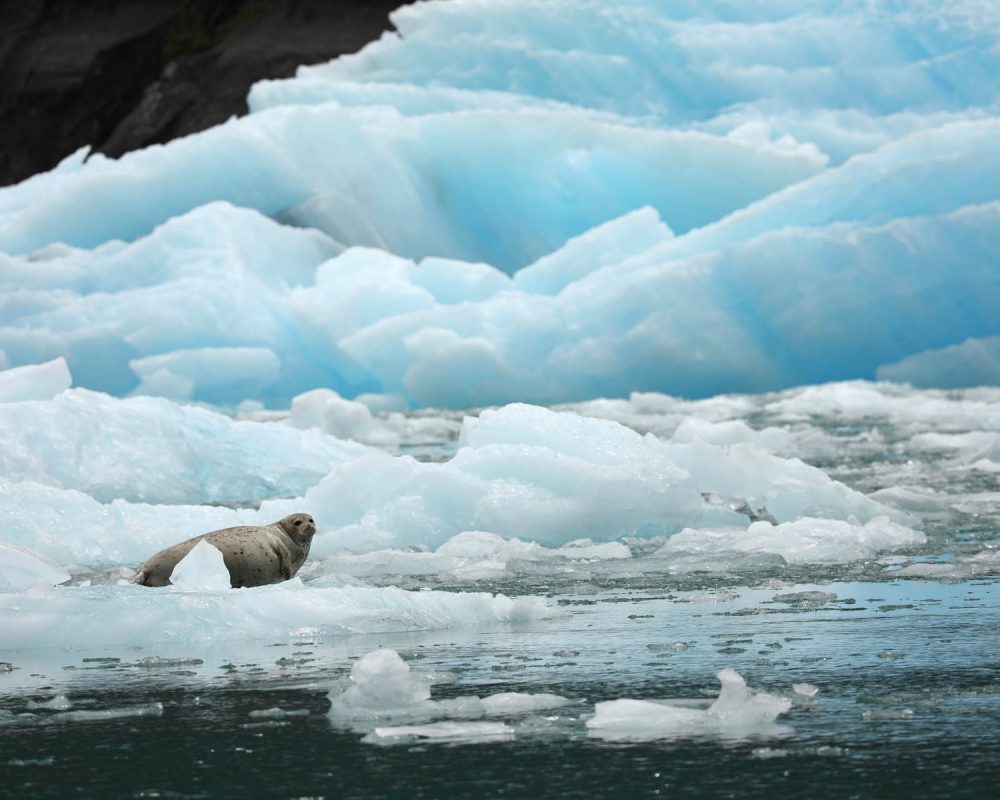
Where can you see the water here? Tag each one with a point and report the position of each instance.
(903, 649)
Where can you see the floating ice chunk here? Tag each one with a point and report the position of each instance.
(58, 703)
(738, 712)
(201, 570)
(787, 488)
(985, 562)
(453, 732)
(278, 713)
(35, 382)
(775, 440)
(514, 703)
(804, 541)
(103, 714)
(149, 449)
(20, 568)
(805, 689)
(468, 555)
(521, 472)
(524, 471)
(382, 687)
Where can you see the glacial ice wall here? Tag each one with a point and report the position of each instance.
(545, 202)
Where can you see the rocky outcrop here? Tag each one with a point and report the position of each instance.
(122, 75)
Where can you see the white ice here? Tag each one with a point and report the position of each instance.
(92, 617)
(201, 570)
(804, 541)
(151, 450)
(738, 712)
(383, 689)
(453, 732)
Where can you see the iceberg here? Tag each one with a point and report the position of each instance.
(509, 202)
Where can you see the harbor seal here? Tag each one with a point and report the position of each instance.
(254, 555)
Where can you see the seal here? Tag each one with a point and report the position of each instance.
(255, 555)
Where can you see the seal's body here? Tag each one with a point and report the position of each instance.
(254, 555)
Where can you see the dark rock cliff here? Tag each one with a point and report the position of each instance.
(123, 75)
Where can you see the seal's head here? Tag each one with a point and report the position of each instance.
(299, 527)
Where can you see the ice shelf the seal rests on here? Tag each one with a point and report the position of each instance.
(254, 555)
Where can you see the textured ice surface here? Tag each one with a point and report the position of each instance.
(149, 449)
(804, 541)
(35, 381)
(528, 472)
(545, 203)
(523, 477)
(91, 617)
(470, 555)
(737, 713)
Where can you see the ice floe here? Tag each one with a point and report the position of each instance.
(90, 617)
(383, 689)
(739, 712)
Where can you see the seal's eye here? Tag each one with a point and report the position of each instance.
(297, 523)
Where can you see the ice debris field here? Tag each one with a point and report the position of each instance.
(524, 302)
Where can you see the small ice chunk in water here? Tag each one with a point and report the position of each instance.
(278, 713)
(738, 711)
(99, 715)
(202, 569)
(58, 703)
(510, 703)
(456, 732)
(805, 689)
(382, 686)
